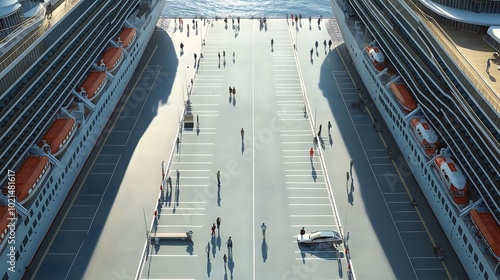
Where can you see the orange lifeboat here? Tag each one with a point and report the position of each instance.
(489, 230)
(453, 178)
(93, 84)
(404, 97)
(126, 36)
(376, 56)
(425, 135)
(29, 177)
(4, 224)
(111, 58)
(58, 135)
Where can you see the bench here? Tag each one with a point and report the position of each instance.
(157, 236)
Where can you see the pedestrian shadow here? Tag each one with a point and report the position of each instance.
(224, 63)
(234, 101)
(314, 175)
(230, 98)
(350, 192)
(197, 130)
(214, 243)
(219, 241)
(219, 64)
(181, 53)
(190, 248)
(218, 197)
(168, 198)
(209, 267)
(177, 195)
(312, 61)
(264, 250)
(330, 139)
(242, 147)
(319, 27)
(230, 265)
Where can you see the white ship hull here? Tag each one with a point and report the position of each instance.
(65, 174)
(456, 228)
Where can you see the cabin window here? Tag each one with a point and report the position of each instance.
(470, 248)
(465, 239)
(481, 267)
(35, 223)
(460, 230)
(476, 258)
(439, 194)
(454, 220)
(31, 212)
(30, 232)
(442, 200)
(37, 203)
(43, 208)
(25, 240)
(446, 207)
(26, 221)
(39, 216)
(486, 276)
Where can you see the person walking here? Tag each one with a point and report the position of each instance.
(224, 54)
(242, 133)
(225, 260)
(182, 46)
(195, 56)
(234, 90)
(488, 65)
(218, 54)
(229, 244)
(218, 178)
(213, 229)
(311, 153)
(324, 44)
(316, 44)
(330, 43)
(312, 51)
(272, 43)
(218, 223)
(302, 232)
(230, 91)
(197, 120)
(329, 127)
(263, 227)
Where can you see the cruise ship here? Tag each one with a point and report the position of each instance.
(64, 66)
(431, 68)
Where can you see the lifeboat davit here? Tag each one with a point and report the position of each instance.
(404, 97)
(58, 136)
(93, 84)
(453, 179)
(126, 37)
(376, 56)
(30, 176)
(425, 135)
(111, 58)
(489, 230)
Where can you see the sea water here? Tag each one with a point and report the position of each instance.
(247, 8)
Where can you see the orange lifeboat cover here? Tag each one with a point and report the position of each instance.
(404, 97)
(91, 84)
(111, 56)
(28, 174)
(489, 228)
(57, 133)
(126, 36)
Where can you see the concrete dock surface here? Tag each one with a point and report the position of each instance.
(284, 96)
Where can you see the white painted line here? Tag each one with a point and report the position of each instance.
(193, 162)
(186, 208)
(196, 143)
(306, 175)
(76, 230)
(294, 130)
(186, 170)
(307, 142)
(297, 162)
(309, 204)
(193, 202)
(285, 119)
(305, 188)
(182, 214)
(153, 255)
(311, 215)
(98, 173)
(308, 226)
(300, 183)
(181, 226)
(308, 197)
(192, 185)
(193, 177)
(197, 155)
(61, 254)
